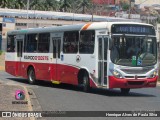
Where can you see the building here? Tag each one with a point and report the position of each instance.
(13, 19)
(143, 3)
(104, 7)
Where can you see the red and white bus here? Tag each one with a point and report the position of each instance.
(98, 55)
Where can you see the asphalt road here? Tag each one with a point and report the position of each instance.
(70, 98)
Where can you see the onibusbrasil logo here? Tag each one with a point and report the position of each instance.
(19, 95)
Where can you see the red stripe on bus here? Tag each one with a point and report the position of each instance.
(45, 71)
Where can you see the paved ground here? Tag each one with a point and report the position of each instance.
(70, 98)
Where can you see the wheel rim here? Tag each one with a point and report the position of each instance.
(31, 76)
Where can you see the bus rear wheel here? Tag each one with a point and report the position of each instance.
(125, 91)
(86, 83)
(31, 76)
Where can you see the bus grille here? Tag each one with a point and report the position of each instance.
(135, 82)
(133, 77)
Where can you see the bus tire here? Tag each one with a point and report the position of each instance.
(125, 91)
(31, 76)
(86, 83)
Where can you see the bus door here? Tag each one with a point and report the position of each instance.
(19, 50)
(102, 60)
(56, 39)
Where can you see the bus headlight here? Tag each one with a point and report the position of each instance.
(153, 74)
(117, 74)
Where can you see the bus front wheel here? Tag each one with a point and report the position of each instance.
(31, 76)
(86, 83)
(125, 91)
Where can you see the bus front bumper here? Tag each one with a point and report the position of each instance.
(132, 83)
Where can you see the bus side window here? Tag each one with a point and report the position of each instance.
(11, 43)
(70, 44)
(31, 43)
(43, 42)
(86, 43)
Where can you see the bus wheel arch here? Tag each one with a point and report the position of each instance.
(83, 79)
(31, 74)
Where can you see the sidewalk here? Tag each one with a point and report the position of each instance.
(7, 100)
(2, 68)
(2, 62)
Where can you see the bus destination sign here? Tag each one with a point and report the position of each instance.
(132, 29)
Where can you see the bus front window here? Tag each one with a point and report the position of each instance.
(134, 51)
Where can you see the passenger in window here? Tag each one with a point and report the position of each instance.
(44, 49)
(9, 49)
(40, 49)
(30, 48)
(70, 48)
(133, 50)
(12, 48)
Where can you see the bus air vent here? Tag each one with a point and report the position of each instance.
(135, 71)
(135, 82)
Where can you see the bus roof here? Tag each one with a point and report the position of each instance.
(78, 27)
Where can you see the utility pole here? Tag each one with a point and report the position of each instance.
(131, 5)
(27, 11)
(92, 12)
(129, 15)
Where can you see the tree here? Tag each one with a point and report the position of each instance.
(18, 4)
(84, 5)
(36, 5)
(65, 5)
(125, 6)
(6, 3)
(51, 5)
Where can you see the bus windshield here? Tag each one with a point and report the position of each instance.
(134, 50)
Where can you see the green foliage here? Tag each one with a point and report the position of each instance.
(83, 5)
(65, 5)
(125, 6)
(1, 52)
(49, 5)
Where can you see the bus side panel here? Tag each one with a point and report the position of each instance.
(53, 72)
(11, 67)
(24, 70)
(64, 74)
(69, 74)
(42, 71)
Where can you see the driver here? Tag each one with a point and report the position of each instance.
(133, 50)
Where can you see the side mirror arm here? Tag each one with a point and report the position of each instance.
(110, 43)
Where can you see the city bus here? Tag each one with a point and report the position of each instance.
(104, 55)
